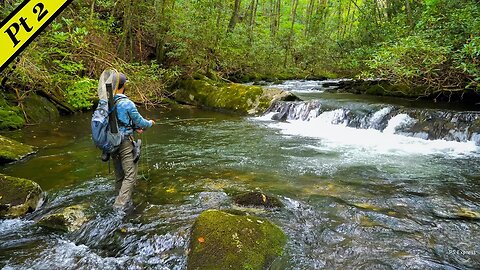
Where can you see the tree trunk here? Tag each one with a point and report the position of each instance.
(163, 20)
(127, 39)
(308, 22)
(234, 18)
(276, 8)
(292, 32)
(344, 30)
(253, 19)
(409, 13)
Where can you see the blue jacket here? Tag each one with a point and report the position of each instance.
(128, 116)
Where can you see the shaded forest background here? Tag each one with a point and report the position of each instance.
(430, 43)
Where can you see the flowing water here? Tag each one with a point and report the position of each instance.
(367, 183)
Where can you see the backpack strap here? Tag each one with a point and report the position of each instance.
(130, 123)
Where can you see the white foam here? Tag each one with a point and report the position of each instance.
(378, 116)
(398, 122)
(331, 117)
(333, 134)
(9, 225)
(265, 117)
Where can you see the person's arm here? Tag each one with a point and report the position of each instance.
(137, 119)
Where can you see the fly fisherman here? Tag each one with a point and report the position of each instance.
(126, 157)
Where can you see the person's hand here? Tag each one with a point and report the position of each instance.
(139, 131)
(153, 122)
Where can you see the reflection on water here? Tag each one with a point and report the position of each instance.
(349, 203)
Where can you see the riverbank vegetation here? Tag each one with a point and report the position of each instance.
(434, 44)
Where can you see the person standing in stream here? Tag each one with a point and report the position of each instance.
(125, 158)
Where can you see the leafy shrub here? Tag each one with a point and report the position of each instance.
(469, 61)
(10, 116)
(81, 93)
(413, 59)
(147, 83)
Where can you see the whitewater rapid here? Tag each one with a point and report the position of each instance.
(331, 130)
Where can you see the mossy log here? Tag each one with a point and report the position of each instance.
(222, 241)
(18, 196)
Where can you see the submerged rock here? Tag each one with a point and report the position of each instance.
(235, 97)
(257, 199)
(18, 196)
(12, 150)
(468, 214)
(68, 219)
(220, 240)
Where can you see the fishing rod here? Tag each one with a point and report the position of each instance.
(162, 122)
(159, 122)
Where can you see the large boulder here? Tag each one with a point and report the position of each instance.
(221, 240)
(39, 109)
(67, 219)
(12, 150)
(234, 97)
(257, 199)
(18, 196)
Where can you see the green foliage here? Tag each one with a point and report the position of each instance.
(410, 59)
(10, 120)
(149, 82)
(437, 52)
(10, 116)
(469, 61)
(80, 93)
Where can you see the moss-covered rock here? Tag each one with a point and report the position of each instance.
(18, 196)
(220, 240)
(257, 199)
(10, 116)
(68, 219)
(376, 87)
(39, 109)
(12, 150)
(235, 97)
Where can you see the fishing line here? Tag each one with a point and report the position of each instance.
(182, 120)
(147, 156)
(147, 162)
(145, 142)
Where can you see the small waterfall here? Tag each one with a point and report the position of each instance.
(399, 122)
(377, 118)
(335, 117)
(294, 110)
(426, 124)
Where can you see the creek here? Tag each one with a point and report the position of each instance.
(367, 183)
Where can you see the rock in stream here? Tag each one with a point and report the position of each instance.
(221, 240)
(12, 150)
(18, 196)
(68, 219)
